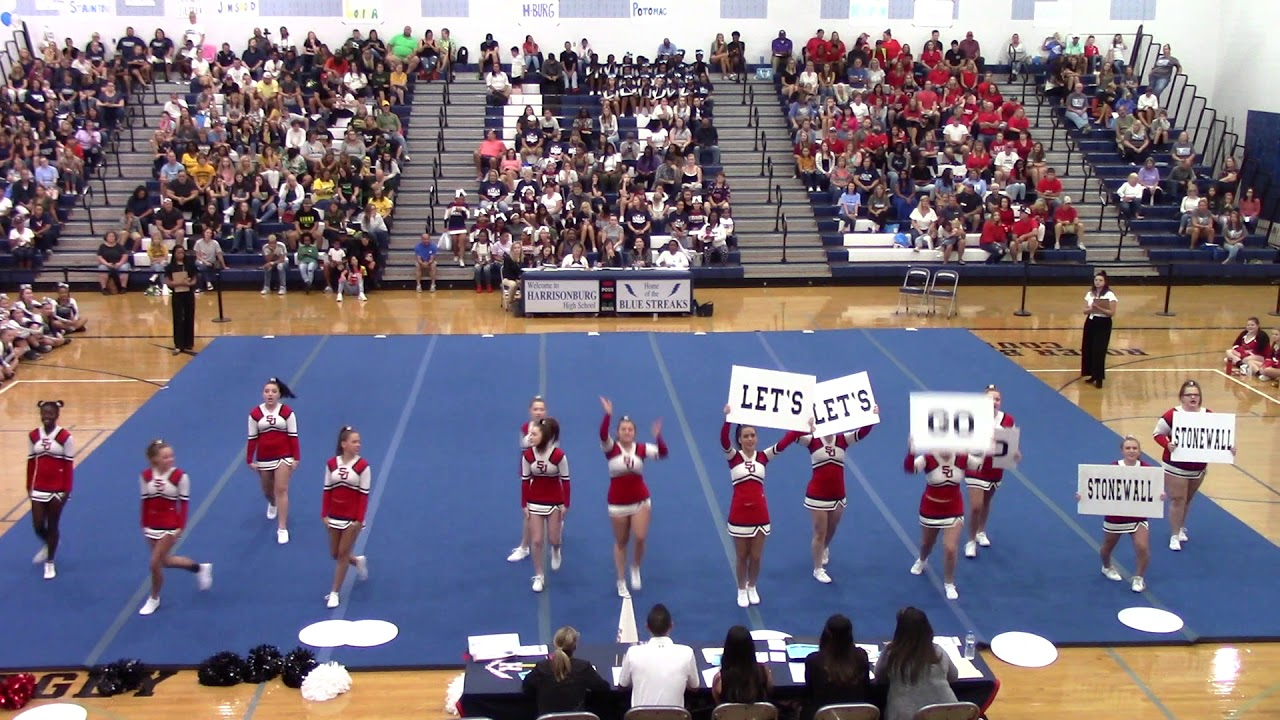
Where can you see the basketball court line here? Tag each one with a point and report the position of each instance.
(1246, 386)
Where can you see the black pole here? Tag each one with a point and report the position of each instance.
(222, 318)
(1168, 290)
(1276, 312)
(1022, 310)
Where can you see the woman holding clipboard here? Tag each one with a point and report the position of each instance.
(180, 276)
(1135, 527)
(1099, 309)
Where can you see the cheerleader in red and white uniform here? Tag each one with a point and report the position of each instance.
(274, 452)
(537, 411)
(748, 508)
(1135, 527)
(629, 506)
(166, 493)
(544, 468)
(1267, 366)
(50, 466)
(983, 483)
(825, 496)
(941, 508)
(1251, 344)
(1182, 480)
(347, 478)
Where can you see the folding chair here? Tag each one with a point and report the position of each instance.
(569, 716)
(745, 711)
(852, 711)
(657, 713)
(949, 711)
(945, 285)
(915, 284)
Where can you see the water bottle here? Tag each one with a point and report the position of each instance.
(970, 645)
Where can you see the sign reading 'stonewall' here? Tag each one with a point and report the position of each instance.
(843, 404)
(1128, 491)
(1203, 437)
(769, 398)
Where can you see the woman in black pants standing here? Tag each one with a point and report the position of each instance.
(180, 276)
(1100, 308)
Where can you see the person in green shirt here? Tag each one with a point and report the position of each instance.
(308, 260)
(448, 53)
(389, 123)
(405, 47)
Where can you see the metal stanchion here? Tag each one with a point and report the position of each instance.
(1168, 291)
(1276, 312)
(1022, 310)
(222, 318)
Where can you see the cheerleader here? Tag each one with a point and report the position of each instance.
(50, 465)
(1251, 345)
(537, 411)
(825, 496)
(1266, 367)
(544, 468)
(1115, 525)
(1182, 480)
(166, 493)
(983, 482)
(941, 508)
(748, 508)
(346, 498)
(274, 452)
(629, 506)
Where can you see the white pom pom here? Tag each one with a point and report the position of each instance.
(326, 682)
(453, 695)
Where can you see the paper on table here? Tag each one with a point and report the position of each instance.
(531, 650)
(712, 655)
(708, 676)
(777, 644)
(778, 657)
(483, 648)
(873, 652)
(797, 672)
(762, 656)
(965, 669)
(617, 673)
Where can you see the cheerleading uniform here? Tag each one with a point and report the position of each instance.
(1120, 524)
(1162, 434)
(748, 508)
(545, 473)
(826, 454)
(987, 477)
(942, 503)
(273, 437)
(1245, 346)
(627, 492)
(50, 464)
(346, 492)
(165, 497)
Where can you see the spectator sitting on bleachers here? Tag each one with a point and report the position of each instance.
(1201, 225)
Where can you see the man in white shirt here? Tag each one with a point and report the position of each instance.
(498, 85)
(659, 671)
(194, 32)
(673, 257)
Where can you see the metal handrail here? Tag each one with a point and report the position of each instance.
(88, 208)
(777, 212)
(784, 238)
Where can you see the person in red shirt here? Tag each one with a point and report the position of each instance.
(892, 48)
(835, 54)
(931, 56)
(1066, 220)
(988, 121)
(929, 100)
(50, 468)
(939, 74)
(347, 480)
(1050, 188)
(994, 240)
(979, 159)
(816, 48)
(1026, 237)
(166, 493)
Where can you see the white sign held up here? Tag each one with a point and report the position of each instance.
(1005, 455)
(952, 422)
(1204, 437)
(843, 404)
(769, 398)
(1121, 490)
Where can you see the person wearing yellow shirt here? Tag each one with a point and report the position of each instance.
(381, 203)
(322, 187)
(203, 170)
(267, 88)
(190, 159)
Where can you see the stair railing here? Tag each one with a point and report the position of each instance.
(784, 238)
(777, 208)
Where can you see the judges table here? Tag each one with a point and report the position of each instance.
(550, 291)
(493, 689)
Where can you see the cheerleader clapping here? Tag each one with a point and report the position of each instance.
(347, 478)
(544, 468)
(629, 506)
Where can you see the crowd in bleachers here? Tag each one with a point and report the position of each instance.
(926, 147)
(599, 162)
(276, 139)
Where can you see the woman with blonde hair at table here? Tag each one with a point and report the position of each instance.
(561, 683)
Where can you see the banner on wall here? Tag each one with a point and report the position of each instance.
(869, 11)
(362, 11)
(934, 14)
(235, 8)
(536, 14)
(653, 10)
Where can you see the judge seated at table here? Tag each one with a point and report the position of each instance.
(561, 682)
(916, 670)
(673, 257)
(742, 677)
(838, 673)
(659, 671)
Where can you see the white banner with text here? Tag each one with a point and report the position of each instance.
(1120, 490)
(1005, 454)
(1204, 437)
(769, 398)
(566, 296)
(843, 404)
(952, 422)
(655, 296)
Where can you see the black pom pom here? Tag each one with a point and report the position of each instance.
(222, 670)
(297, 664)
(121, 676)
(263, 663)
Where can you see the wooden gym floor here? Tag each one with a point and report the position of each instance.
(107, 373)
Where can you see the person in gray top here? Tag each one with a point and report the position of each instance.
(916, 670)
